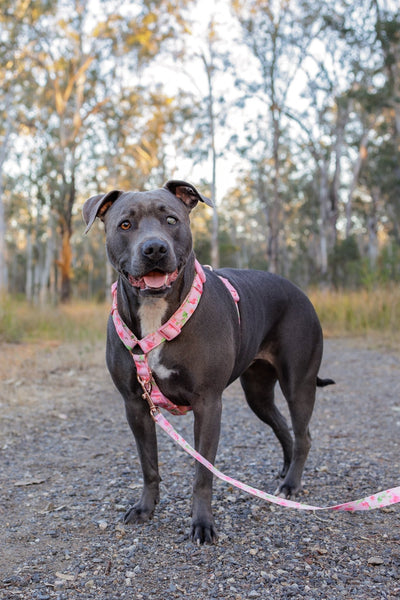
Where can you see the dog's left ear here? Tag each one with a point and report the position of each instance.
(97, 206)
(187, 193)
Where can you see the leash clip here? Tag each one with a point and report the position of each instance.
(146, 387)
(154, 412)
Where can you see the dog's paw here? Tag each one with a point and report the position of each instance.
(138, 514)
(287, 491)
(203, 533)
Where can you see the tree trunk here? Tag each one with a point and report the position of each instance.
(214, 239)
(362, 155)
(323, 212)
(215, 259)
(110, 277)
(46, 270)
(29, 266)
(343, 109)
(65, 264)
(65, 261)
(275, 211)
(372, 224)
(3, 254)
(3, 156)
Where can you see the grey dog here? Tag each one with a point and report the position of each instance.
(278, 338)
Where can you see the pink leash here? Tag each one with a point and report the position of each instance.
(379, 500)
(155, 398)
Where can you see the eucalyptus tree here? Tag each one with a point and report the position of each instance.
(87, 61)
(387, 149)
(322, 93)
(367, 35)
(207, 96)
(16, 84)
(278, 34)
(5, 133)
(208, 60)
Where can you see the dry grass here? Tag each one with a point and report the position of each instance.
(36, 341)
(368, 313)
(342, 313)
(78, 322)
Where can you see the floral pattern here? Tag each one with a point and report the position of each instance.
(379, 500)
(165, 333)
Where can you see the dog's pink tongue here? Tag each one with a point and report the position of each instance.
(155, 279)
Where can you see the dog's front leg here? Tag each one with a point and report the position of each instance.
(207, 424)
(143, 428)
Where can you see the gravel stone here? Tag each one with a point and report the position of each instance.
(69, 467)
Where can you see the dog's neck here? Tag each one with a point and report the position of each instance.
(151, 315)
(145, 314)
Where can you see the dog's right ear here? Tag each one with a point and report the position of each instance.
(97, 206)
(187, 193)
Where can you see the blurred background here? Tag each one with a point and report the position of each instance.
(285, 112)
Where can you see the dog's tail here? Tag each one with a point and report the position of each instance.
(324, 382)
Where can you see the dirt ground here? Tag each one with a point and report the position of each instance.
(68, 471)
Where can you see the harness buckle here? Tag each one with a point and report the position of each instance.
(169, 331)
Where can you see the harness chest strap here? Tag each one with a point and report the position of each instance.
(167, 332)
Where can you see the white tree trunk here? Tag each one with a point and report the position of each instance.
(3, 156)
(3, 256)
(362, 154)
(29, 267)
(372, 224)
(48, 263)
(323, 211)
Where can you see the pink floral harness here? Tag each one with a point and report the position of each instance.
(166, 332)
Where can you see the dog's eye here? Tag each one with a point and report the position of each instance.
(172, 221)
(125, 225)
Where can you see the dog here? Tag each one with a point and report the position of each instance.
(271, 333)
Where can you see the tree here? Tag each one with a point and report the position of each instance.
(15, 46)
(371, 38)
(278, 35)
(72, 58)
(209, 67)
(3, 154)
(206, 64)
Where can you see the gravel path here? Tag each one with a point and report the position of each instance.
(68, 469)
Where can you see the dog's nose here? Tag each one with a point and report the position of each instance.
(154, 249)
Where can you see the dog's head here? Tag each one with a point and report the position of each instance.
(148, 233)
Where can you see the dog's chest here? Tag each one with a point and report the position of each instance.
(151, 314)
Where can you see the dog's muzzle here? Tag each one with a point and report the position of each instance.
(157, 271)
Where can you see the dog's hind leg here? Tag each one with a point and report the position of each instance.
(301, 399)
(258, 383)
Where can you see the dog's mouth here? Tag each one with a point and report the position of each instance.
(154, 280)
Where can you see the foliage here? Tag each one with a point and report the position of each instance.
(346, 263)
(287, 113)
